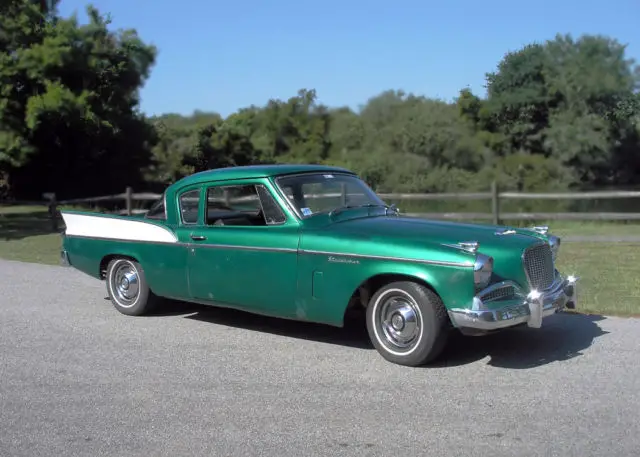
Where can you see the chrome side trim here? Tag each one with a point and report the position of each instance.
(242, 248)
(101, 238)
(291, 250)
(530, 310)
(392, 258)
(191, 245)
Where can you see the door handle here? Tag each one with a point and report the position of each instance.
(198, 237)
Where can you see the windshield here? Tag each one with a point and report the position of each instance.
(315, 193)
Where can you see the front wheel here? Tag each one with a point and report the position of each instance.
(407, 323)
(128, 289)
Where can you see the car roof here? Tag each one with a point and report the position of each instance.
(255, 171)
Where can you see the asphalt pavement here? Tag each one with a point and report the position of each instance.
(77, 378)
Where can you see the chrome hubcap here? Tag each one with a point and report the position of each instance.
(124, 283)
(400, 322)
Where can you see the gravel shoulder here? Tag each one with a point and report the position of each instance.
(78, 378)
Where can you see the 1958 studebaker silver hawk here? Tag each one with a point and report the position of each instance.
(311, 243)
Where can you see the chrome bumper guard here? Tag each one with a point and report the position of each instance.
(64, 259)
(530, 310)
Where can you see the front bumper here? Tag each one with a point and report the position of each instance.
(64, 258)
(529, 309)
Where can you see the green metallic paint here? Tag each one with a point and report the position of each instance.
(251, 267)
(305, 269)
(340, 276)
(163, 263)
(407, 236)
(253, 172)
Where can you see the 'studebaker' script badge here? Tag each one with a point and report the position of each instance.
(342, 260)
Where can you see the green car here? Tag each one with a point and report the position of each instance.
(313, 243)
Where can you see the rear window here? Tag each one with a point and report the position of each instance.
(157, 210)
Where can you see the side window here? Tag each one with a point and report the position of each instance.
(273, 214)
(189, 202)
(245, 205)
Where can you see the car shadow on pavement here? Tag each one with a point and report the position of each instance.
(353, 334)
(563, 336)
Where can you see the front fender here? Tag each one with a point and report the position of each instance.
(327, 282)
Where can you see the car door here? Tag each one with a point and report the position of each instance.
(244, 254)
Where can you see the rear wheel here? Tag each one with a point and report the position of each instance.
(407, 323)
(128, 289)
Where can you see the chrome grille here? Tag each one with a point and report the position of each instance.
(506, 292)
(538, 265)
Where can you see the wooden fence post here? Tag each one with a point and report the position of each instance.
(53, 210)
(495, 203)
(128, 195)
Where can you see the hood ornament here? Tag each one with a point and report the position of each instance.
(469, 246)
(541, 229)
(506, 232)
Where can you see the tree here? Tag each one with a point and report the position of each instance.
(559, 112)
(562, 99)
(71, 103)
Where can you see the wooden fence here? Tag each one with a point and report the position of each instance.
(128, 197)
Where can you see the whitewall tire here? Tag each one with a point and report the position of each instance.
(127, 287)
(407, 323)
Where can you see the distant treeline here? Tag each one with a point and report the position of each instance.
(558, 114)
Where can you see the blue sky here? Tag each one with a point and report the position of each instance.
(221, 56)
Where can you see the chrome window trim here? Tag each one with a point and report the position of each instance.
(179, 198)
(282, 212)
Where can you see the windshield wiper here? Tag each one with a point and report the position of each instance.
(339, 209)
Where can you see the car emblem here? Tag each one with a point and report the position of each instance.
(333, 259)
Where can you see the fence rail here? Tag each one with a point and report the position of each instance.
(128, 197)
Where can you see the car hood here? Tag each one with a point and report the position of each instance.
(434, 232)
(415, 238)
(410, 237)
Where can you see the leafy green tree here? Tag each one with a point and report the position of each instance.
(568, 99)
(558, 113)
(70, 117)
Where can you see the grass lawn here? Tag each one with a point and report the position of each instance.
(609, 276)
(609, 272)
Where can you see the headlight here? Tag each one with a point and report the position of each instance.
(482, 270)
(554, 243)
